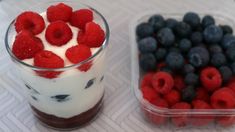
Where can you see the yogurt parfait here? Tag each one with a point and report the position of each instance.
(59, 53)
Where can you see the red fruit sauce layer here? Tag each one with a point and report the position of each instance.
(68, 123)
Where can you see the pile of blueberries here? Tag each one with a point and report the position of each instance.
(186, 45)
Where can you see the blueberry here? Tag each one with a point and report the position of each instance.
(182, 30)
(226, 29)
(212, 34)
(207, 21)
(148, 62)
(196, 37)
(199, 28)
(218, 59)
(192, 19)
(174, 60)
(61, 98)
(144, 30)
(157, 21)
(232, 66)
(230, 53)
(198, 56)
(188, 68)
(166, 69)
(171, 23)
(226, 73)
(185, 45)
(90, 83)
(191, 78)
(166, 37)
(201, 45)
(147, 45)
(188, 94)
(227, 41)
(215, 48)
(160, 54)
(174, 49)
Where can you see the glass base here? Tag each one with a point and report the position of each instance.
(66, 124)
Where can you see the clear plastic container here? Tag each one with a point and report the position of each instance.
(164, 116)
(73, 97)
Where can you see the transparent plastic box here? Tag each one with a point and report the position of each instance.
(163, 116)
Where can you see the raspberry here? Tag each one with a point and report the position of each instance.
(79, 53)
(201, 120)
(181, 120)
(200, 104)
(146, 81)
(149, 93)
(211, 78)
(160, 103)
(26, 45)
(81, 17)
(93, 36)
(226, 120)
(162, 82)
(231, 84)
(201, 94)
(223, 99)
(172, 97)
(30, 21)
(179, 83)
(60, 11)
(48, 59)
(58, 33)
(158, 118)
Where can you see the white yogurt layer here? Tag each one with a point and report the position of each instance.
(73, 92)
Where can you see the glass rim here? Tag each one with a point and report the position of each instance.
(101, 48)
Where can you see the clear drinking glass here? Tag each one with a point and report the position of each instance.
(74, 97)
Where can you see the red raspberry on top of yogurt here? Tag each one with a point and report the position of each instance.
(72, 36)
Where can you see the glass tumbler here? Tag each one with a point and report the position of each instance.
(73, 97)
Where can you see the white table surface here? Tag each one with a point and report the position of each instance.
(120, 112)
